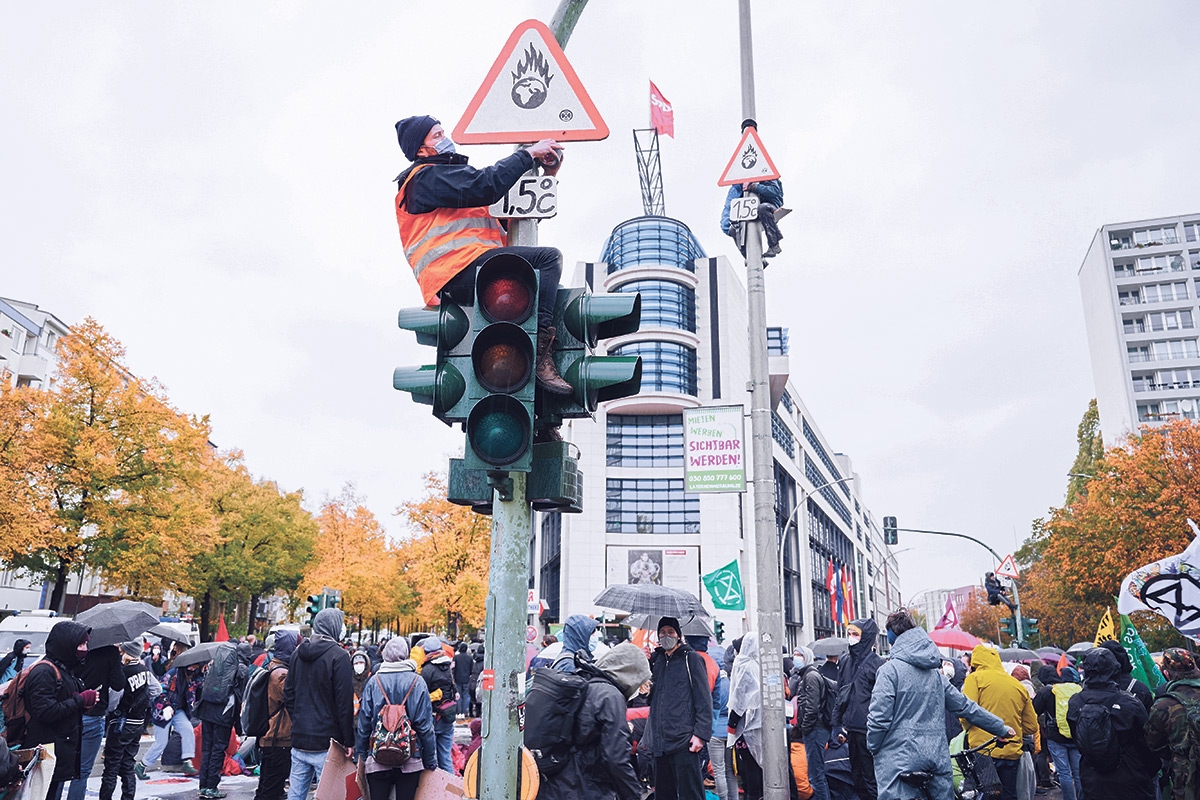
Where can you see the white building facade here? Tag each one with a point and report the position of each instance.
(637, 522)
(1139, 284)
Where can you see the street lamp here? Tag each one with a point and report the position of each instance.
(803, 503)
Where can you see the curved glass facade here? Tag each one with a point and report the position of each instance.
(666, 366)
(651, 241)
(665, 304)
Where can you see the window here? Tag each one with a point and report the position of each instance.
(666, 366)
(777, 341)
(1172, 262)
(639, 440)
(1133, 298)
(665, 304)
(1124, 270)
(817, 479)
(652, 241)
(1191, 231)
(783, 437)
(1135, 325)
(1172, 349)
(811, 436)
(551, 572)
(1170, 321)
(1149, 237)
(650, 505)
(786, 402)
(1166, 292)
(1139, 353)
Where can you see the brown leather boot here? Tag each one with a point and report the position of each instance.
(546, 372)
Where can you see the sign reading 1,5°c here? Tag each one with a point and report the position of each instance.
(532, 197)
(714, 448)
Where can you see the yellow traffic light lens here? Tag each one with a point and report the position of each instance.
(502, 356)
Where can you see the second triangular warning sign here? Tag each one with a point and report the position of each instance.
(1007, 568)
(530, 93)
(750, 162)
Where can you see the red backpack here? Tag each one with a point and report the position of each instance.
(12, 702)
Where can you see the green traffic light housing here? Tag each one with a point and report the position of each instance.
(440, 385)
(890, 533)
(592, 317)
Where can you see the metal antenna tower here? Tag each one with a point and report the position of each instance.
(645, 144)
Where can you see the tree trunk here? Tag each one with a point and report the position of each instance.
(252, 617)
(206, 617)
(59, 595)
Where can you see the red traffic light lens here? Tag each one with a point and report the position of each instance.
(503, 358)
(506, 289)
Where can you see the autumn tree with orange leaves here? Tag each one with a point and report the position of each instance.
(1132, 512)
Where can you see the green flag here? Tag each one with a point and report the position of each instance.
(1144, 668)
(725, 587)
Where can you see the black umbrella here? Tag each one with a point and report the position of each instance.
(657, 601)
(200, 654)
(165, 631)
(120, 621)
(830, 646)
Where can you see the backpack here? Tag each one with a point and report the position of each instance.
(393, 741)
(1095, 733)
(1192, 709)
(1061, 699)
(218, 681)
(256, 711)
(12, 703)
(551, 707)
(828, 701)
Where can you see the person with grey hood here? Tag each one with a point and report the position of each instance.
(600, 766)
(577, 638)
(319, 697)
(810, 690)
(906, 724)
(438, 672)
(396, 682)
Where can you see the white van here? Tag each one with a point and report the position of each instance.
(32, 625)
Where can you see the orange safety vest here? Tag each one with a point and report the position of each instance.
(443, 242)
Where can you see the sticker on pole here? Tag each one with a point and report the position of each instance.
(530, 93)
(1008, 568)
(750, 162)
(488, 680)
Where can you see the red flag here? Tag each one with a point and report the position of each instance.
(1063, 663)
(832, 595)
(222, 631)
(848, 588)
(662, 115)
(949, 616)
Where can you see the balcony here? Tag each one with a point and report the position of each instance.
(32, 367)
(1165, 387)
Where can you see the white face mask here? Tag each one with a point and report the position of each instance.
(948, 670)
(854, 638)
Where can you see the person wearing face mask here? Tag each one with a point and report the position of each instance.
(12, 664)
(811, 729)
(447, 230)
(361, 665)
(680, 721)
(56, 700)
(906, 721)
(856, 680)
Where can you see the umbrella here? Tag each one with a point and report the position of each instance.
(165, 631)
(952, 637)
(646, 598)
(1018, 654)
(1081, 647)
(1049, 650)
(122, 621)
(200, 654)
(830, 646)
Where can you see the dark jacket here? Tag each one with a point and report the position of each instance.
(15, 659)
(1167, 735)
(462, 667)
(135, 696)
(601, 764)
(102, 671)
(439, 675)
(1045, 703)
(856, 680)
(1133, 777)
(319, 695)
(225, 710)
(680, 701)
(1125, 677)
(451, 183)
(830, 669)
(54, 703)
(810, 689)
(476, 669)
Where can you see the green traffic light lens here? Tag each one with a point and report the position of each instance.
(498, 429)
(502, 356)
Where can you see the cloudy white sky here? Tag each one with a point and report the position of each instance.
(213, 183)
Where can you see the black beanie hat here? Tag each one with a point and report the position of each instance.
(411, 132)
(670, 622)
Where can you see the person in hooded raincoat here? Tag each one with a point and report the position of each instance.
(906, 722)
(276, 743)
(12, 664)
(1125, 677)
(856, 681)
(1003, 695)
(600, 766)
(745, 715)
(56, 699)
(577, 636)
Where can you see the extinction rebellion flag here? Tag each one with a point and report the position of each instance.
(725, 587)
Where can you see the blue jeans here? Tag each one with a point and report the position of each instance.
(443, 729)
(306, 771)
(814, 750)
(464, 698)
(89, 748)
(1007, 768)
(1066, 762)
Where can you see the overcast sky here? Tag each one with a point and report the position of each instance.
(212, 182)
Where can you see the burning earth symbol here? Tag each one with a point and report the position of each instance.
(531, 80)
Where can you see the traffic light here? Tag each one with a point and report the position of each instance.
(315, 604)
(1008, 625)
(1030, 626)
(890, 533)
(500, 384)
(581, 320)
(719, 631)
(443, 384)
(332, 598)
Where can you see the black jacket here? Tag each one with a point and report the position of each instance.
(135, 700)
(319, 695)
(450, 183)
(809, 692)
(462, 668)
(680, 702)
(102, 671)
(601, 763)
(54, 703)
(226, 711)
(439, 674)
(856, 680)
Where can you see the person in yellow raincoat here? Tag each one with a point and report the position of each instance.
(1003, 695)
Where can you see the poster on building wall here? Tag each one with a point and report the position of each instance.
(714, 444)
(676, 567)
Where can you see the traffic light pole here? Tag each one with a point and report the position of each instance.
(1017, 619)
(770, 612)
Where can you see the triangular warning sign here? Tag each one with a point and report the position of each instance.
(750, 162)
(530, 93)
(1007, 568)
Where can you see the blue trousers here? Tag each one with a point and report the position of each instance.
(443, 729)
(89, 748)
(814, 750)
(1066, 762)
